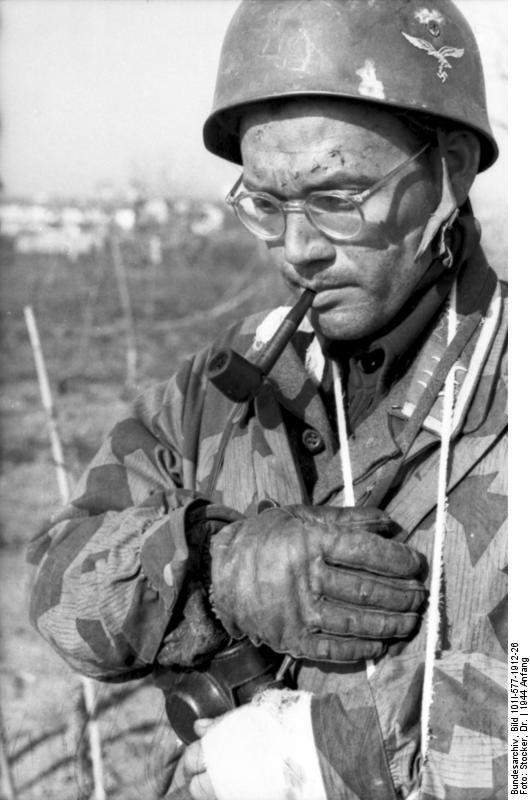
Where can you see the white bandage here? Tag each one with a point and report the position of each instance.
(265, 750)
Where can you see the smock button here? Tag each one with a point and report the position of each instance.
(312, 441)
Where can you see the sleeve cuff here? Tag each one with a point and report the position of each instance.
(165, 552)
(163, 559)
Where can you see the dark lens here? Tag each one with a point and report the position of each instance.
(336, 215)
(261, 215)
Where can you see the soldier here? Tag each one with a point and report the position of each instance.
(205, 543)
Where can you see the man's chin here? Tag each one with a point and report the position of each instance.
(343, 325)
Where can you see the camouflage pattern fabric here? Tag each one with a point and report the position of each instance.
(112, 565)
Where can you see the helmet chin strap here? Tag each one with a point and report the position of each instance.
(443, 217)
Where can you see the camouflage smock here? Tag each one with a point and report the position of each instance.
(113, 562)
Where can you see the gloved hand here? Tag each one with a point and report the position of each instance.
(316, 582)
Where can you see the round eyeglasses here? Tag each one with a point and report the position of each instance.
(337, 213)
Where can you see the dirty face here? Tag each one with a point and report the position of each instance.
(307, 145)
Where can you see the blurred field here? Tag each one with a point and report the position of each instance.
(81, 326)
(78, 312)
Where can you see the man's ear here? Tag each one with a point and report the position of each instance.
(462, 150)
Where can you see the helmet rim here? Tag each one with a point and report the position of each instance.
(399, 55)
(221, 138)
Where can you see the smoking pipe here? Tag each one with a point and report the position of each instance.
(237, 377)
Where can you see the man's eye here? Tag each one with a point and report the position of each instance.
(333, 204)
(264, 206)
(256, 206)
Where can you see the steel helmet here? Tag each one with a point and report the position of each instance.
(397, 53)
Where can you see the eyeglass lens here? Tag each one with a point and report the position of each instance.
(334, 215)
(261, 216)
(338, 216)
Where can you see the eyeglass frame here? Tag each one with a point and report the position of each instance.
(285, 206)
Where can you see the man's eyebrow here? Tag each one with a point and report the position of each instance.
(339, 179)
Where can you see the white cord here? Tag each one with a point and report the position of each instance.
(345, 460)
(434, 617)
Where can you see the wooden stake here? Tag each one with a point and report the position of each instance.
(8, 784)
(47, 402)
(94, 740)
(64, 492)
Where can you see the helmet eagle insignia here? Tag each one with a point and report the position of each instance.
(442, 55)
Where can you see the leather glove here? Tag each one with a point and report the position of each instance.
(316, 582)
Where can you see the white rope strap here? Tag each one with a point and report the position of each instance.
(434, 616)
(345, 460)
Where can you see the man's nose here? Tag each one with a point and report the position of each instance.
(304, 244)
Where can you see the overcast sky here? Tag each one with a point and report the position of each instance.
(110, 90)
